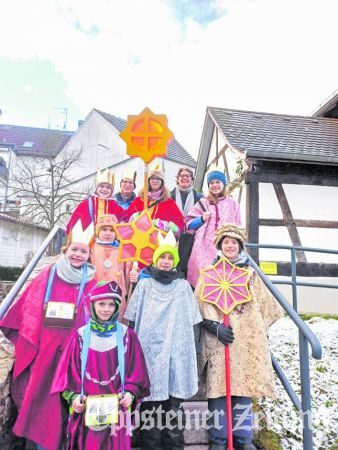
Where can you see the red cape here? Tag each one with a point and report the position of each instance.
(164, 210)
(22, 323)
(100, 206)
(37, 353)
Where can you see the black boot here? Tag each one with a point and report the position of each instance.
(217, 446)
(213, 446)
(243, 444)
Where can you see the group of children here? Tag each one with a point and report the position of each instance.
(81, 342)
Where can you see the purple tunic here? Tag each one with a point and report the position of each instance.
(102, 377)
(38, 350)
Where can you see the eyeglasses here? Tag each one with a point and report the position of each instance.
(127, 182)
(184, 176)
(155, 178)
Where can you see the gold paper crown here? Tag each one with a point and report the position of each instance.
(157, 171)
(169, 239)
(166, 245)
(78, 234)
(129, 173)
(105, 176)
(157, 165)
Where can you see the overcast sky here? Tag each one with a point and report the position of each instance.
(176, 57)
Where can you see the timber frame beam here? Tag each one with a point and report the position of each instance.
(278, 173)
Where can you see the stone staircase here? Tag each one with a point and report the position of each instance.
(195, 437)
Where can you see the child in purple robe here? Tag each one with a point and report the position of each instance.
(103, 358)
(39, 325)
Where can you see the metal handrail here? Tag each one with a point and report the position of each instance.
(304, 329)
(285, 382)
(306, 336)
(303, 283)
(10, 297)
(291, 247)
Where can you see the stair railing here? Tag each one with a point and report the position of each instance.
(10, 297)
(306, 336)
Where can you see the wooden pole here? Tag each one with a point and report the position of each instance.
(145, 189)
(130, 289)
(228, 389)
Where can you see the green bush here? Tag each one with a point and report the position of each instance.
(267, 440)
(10, 273)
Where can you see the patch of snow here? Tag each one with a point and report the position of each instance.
(280, 415)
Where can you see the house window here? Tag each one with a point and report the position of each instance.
(28, 144)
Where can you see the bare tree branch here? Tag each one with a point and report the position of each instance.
(43, 186)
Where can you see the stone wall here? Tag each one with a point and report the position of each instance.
(7, 408)
(5, 287)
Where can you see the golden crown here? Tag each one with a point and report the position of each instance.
(129, 173)
(157, 165)
(105, 176)
(169, 239)
(78, 234)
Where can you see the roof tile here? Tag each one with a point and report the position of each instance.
(279, 136)
(39, 141)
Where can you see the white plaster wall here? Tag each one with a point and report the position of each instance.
(100, 145)
(17, 245)
(312, 299)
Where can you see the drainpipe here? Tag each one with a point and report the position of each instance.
(10, 148)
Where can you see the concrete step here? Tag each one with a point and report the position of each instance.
(195, 415)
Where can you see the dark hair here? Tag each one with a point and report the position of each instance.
(241, 246)
(187, 169)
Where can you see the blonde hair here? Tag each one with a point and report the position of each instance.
(165, 193)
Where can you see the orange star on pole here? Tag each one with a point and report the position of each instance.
(147, 135)
(138, 239)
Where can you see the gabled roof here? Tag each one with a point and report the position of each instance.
(329, 108)
(34, 141)
(278, 136)
(175, 150)
(9, 218)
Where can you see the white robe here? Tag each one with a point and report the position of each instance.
(164, 317)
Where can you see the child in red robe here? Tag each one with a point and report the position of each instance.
(39, 325)
(97, 204)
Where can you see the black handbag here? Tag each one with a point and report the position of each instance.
(185, 245)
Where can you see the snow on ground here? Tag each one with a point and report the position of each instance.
(281, 416)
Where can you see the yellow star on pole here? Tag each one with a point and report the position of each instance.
(147, 135)
(138, 239)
